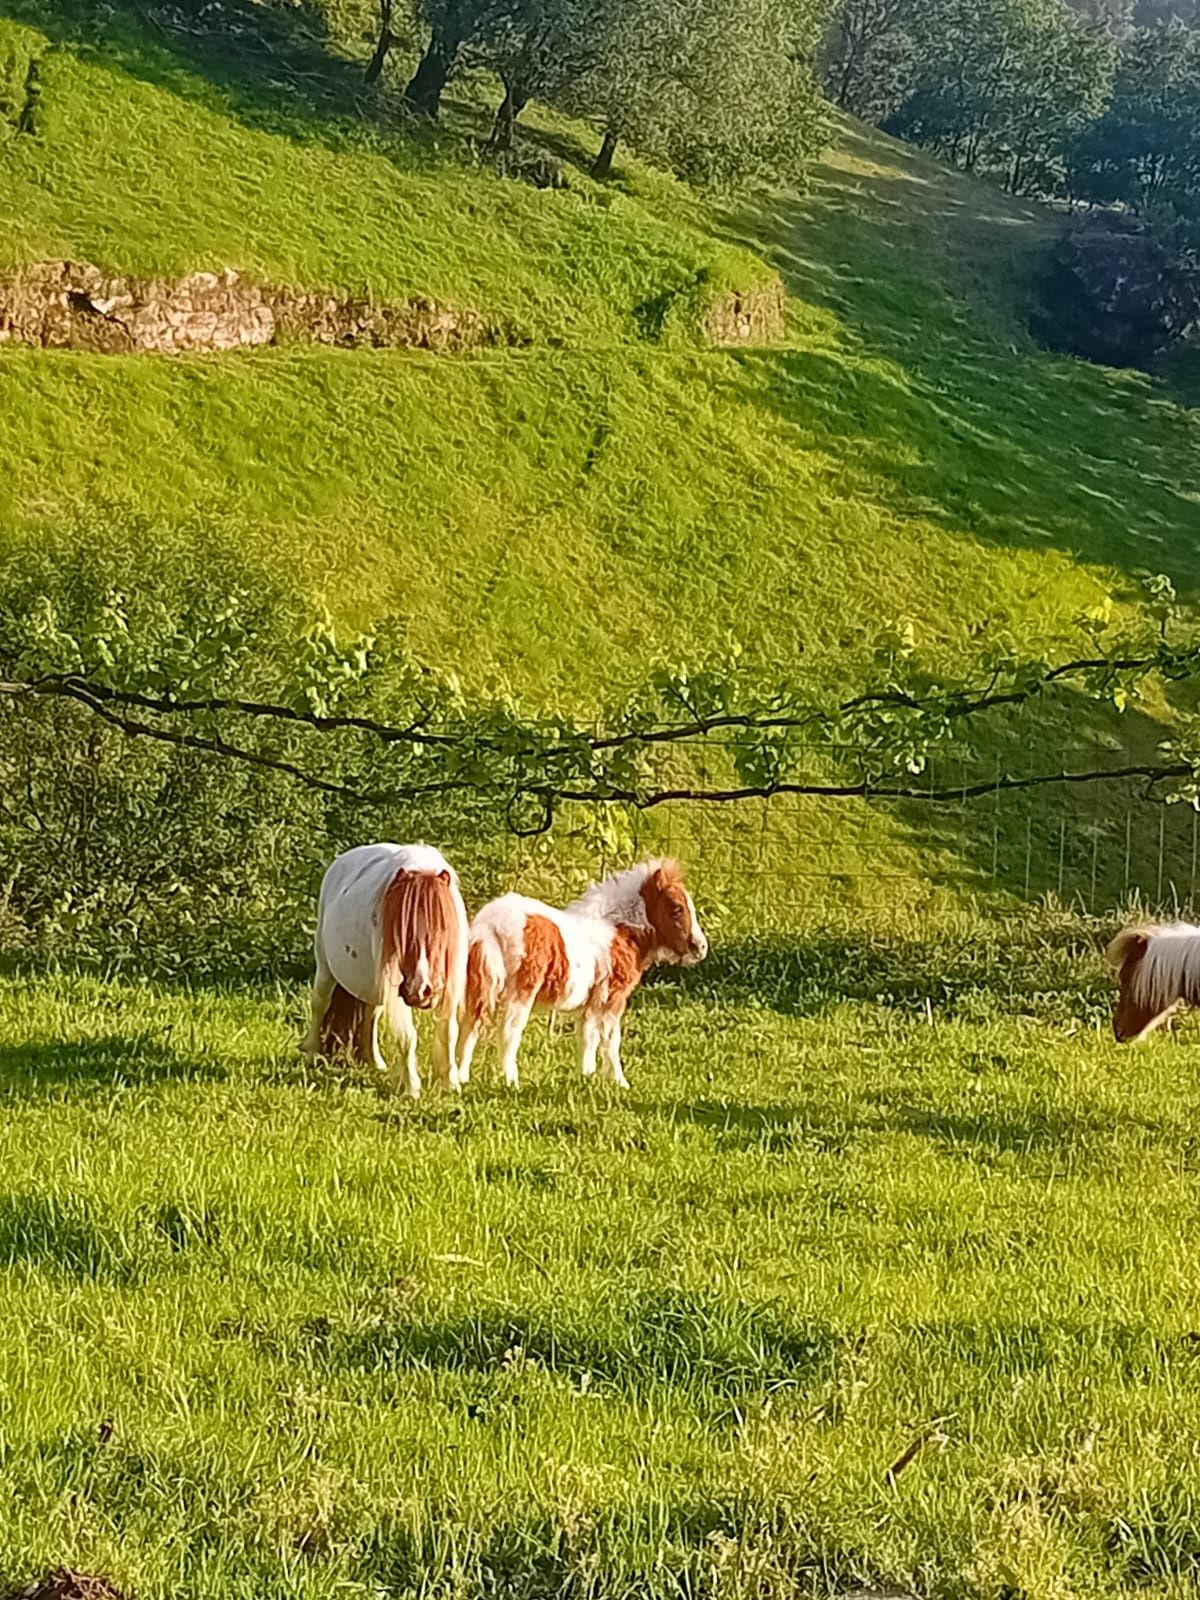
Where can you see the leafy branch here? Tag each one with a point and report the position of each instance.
(361, 722)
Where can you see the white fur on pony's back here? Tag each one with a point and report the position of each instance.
(1170, 968)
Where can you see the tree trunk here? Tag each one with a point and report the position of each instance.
(424, 92)
(375, 67)
(602, 166)
(511, 107)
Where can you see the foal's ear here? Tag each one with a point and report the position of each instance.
(444, 875)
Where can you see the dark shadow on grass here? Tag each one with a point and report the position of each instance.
(59, 1234)
(274, 67)
(43, 1066)
(1054, 975)
(724, 1348)
(932, 398)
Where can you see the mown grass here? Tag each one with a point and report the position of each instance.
(272, 1333)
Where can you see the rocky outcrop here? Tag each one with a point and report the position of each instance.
(1116, 294)
(75, 306)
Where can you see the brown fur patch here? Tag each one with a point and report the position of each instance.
(544, 972)
(346, 1027)
(628, 957)
(420, 913)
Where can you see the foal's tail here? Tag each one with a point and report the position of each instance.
(486, 976)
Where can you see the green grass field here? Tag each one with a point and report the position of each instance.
(268, 1333)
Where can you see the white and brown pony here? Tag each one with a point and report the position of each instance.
(1159, 970)
(391, 937)
(586, 960)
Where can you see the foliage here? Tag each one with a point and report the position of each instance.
(722, 94)
(868, 57)
(1005, 87)
(1145, 151)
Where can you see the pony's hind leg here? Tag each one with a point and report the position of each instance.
(406, 1032)
(516, 1016)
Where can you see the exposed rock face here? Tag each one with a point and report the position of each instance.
(72, 305)
(751, 316)
(1115, 293)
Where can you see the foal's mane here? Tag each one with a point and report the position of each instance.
(618, 898)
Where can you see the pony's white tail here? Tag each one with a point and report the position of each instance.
(424, 930)
(486, 975)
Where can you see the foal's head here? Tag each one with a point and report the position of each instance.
(672, 915)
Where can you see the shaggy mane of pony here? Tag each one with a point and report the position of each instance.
(619, 897)
(1168, 971)
(420, 912)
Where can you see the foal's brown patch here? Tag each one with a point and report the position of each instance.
(627, 958)
(544, 972)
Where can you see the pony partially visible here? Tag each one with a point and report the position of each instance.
(1159, 970)
(586, 960)
(391, 937)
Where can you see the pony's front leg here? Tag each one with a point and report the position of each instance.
(406, 1033)
(610, 1033)
(446, 1051)
(371, 1037)
(515, 1018)
(588, 1034)
(322, 993)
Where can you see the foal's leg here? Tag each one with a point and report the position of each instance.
(516, 1015)
(406, 1030)
(322, 993)
(610, 1035)
(588, 1034)
(466, 1051)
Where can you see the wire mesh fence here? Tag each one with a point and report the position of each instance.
(794, 862)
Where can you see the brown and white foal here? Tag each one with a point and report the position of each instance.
(586, 960)
(1159, 971)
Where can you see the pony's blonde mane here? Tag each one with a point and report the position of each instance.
(420, 911)
(618, 898)
(1170, 968)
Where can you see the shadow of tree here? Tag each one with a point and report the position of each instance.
(932, 394)
(673, 1338)
(46, 1065)
(276, 68)
(60, 1233)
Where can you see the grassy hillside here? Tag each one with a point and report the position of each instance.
(557, 517)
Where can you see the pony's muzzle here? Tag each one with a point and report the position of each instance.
(417, 995)
(696, 951)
